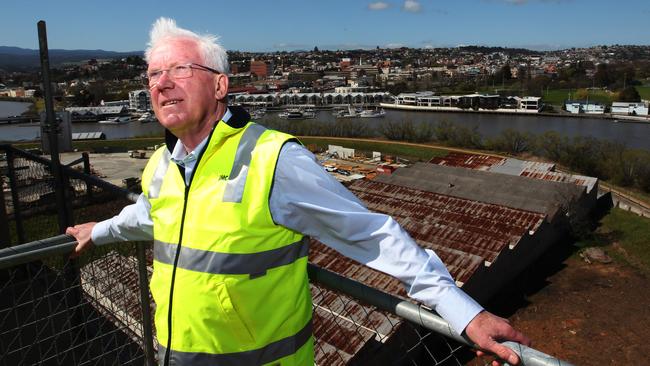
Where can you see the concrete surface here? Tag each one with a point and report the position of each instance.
(112, 167)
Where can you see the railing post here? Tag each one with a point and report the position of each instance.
(143, 279)
(5, 238)
(51, 126)
(86, 161)
(13, 185)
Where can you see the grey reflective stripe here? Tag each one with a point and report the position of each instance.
(271, 352)
(237, 179)
(159, 175)
(230, 263)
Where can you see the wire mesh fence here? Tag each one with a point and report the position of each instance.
(29, 197)
(57, 311)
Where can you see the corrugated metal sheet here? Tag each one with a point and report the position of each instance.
(580, 180)
(511, 166)
(464, 233)
(470, 161)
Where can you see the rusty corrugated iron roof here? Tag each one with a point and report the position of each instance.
(470, 161)
(511, 166)
(580, 180)
(464, 233)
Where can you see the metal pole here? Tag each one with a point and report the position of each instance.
(89, 187)
(147, 326)
(51, 127)
(13, 185)
(5, 238)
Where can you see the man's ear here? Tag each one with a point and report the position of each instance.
(221, 86)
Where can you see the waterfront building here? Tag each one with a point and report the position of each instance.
(530, 103)
(630, 108)
(94, 114)
(117, 103)
(579, 106)
(316, 99)
(140, 100)
(475, 101)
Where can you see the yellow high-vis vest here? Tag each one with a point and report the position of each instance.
(230, 285)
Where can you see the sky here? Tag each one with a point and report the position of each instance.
(273, 25)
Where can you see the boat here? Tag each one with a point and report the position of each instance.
(297, 114)
(258, 113)
(360, 113)
(349, 113)
(116, 120)
(372, 113)
(147, 117)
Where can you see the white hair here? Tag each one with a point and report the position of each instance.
(212, 53)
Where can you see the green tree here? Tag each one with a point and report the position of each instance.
(629, 94)
(512, 141)
(602, 77)
(551, 145)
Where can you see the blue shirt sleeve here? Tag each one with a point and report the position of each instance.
(307, 199)
(131, 224)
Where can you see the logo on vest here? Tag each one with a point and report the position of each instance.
(223, 177)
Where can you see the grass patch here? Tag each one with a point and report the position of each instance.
(644, 91)
(410, 152)
(558, 96)
(625, 236)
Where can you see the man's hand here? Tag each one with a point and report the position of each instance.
(486, 329)
(82, 233)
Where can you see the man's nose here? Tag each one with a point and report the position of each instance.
(164, 81)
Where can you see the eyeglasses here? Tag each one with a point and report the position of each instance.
(175, 72)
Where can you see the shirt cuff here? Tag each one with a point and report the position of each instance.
(101, 233)
(457, 308)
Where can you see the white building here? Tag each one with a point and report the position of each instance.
(140, 100)
(577, 107)
(630, 108)
(530, 103)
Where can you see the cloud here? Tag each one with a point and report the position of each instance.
(378, 5)
(412, 6)
(394, 45)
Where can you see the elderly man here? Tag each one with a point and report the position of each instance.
(227, 203)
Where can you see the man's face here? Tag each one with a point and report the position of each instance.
(182, 105)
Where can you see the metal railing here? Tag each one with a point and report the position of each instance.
(96, 320)
(97, 309)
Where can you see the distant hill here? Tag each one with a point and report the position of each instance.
(23, 59)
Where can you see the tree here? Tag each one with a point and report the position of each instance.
(629, 94)
(512, 141)
(602, 77)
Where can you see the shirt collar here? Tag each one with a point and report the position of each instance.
(180, 155)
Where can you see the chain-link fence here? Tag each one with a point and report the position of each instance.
(58, 311)
(50, 315)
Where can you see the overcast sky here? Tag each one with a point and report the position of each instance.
(271, 25)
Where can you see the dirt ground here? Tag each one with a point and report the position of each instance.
(587, 314)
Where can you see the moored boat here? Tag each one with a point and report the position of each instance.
(116, 120)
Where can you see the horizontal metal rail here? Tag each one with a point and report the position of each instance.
(64, 244)
(418, 314)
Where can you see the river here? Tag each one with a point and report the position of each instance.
(632, 135)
